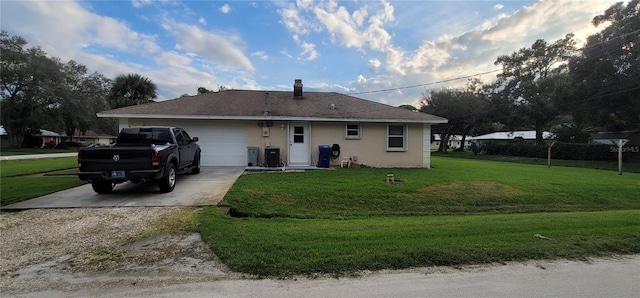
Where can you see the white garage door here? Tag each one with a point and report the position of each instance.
(221, 144)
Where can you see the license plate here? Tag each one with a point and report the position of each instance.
(117, 174)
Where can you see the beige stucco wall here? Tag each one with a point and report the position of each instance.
(370, 149)
(277, 137)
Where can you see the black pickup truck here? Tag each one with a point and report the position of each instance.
(144, 153)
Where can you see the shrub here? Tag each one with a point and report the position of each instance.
(567, 151)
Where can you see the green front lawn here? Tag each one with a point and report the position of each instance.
(30, 178)
(341, 221)
(285, 246)
(627, 166)
(460, 212)
(453, 186)
(25, 151)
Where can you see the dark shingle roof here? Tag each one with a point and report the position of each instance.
(281, 105)
(608, 135)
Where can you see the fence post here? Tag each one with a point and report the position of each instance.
(621, 143)
(550, 144)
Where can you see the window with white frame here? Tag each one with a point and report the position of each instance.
(352, 131)
(396, 137)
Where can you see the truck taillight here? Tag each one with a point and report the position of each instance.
(155, 159)
(79, 160)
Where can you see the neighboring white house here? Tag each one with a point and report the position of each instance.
(90, 137)
(5, 142)
(526, 136)
(454, 141)
(631, 148)
(49, 138)
(291, 126)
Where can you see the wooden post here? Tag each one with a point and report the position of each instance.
(621, 143)
(550, 144)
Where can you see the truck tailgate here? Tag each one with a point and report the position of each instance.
(116, 158)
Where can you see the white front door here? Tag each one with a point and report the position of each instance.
(299, 143)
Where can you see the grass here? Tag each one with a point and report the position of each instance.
(627, 166)
(454, 186)
(285, 246)
(461, 212)
(25, 179)
(25, 151)
(464, 211)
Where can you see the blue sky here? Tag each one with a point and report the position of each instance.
(351, 47)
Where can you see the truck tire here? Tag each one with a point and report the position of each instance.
(196, 164)
(102, 187)
(168, 182)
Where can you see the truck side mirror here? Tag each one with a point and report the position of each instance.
(194, 139)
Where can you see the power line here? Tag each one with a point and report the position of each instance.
(603, 51)
(425, 84)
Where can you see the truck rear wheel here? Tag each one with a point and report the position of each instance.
(168, 182)
(102, 187)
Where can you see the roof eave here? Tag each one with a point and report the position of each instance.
(271, 118)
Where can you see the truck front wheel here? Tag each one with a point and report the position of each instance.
(168, 182)
(102, 187)
(197, 164)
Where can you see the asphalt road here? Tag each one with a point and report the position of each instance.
(598, 278)
(206, 188)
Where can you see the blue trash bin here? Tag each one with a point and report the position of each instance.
(324, 156)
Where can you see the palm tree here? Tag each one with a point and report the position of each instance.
(131, 89)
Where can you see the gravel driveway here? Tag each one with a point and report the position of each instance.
(71, 249)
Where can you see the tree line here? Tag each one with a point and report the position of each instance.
(554, 86)
(41, 92)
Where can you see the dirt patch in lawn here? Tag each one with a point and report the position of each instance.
(72, 249)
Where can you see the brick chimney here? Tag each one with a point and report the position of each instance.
(297, 89)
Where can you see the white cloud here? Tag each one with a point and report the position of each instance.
(355, 29)
(292, 20)
(309, 52)
(453, 56)
(214, 47)
(362, 28)
(260, 54)
(173, 59)
(286, 54)
(225, 8)
(66, 30)
(374, 65)
(388, 48)
(141, 3)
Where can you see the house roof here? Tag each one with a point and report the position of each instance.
(48, 133)
(510, 135)
(609, 135)
(279, 105)
(89, 134)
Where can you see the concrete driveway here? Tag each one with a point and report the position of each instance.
(206, 188)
